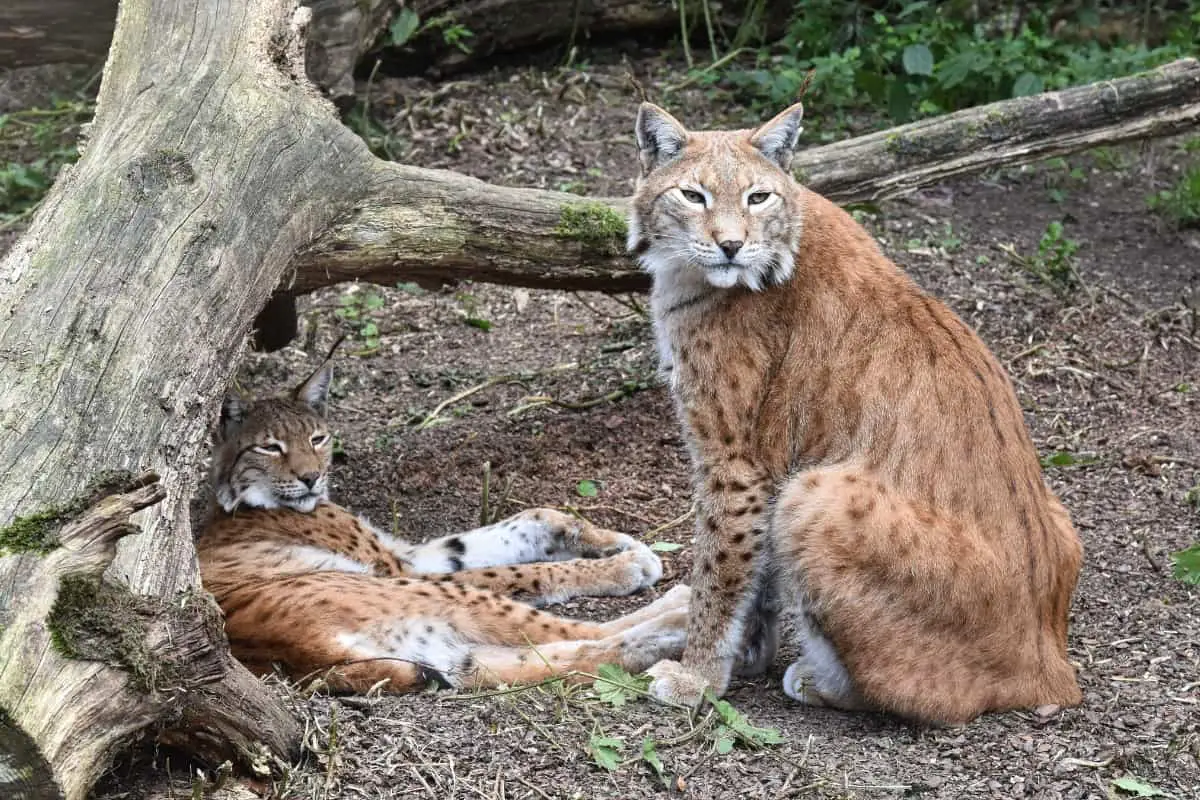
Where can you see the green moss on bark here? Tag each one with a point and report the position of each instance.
(38, 532)
(33, 533)
(594, 224)
(97, 621)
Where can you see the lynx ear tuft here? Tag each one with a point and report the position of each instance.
(315, 391)
(777, 139)
(660, 137)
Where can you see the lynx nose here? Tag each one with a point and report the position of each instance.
(730, 248)
(310, 479)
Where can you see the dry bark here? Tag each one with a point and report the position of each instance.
(211, 160)
(429, 224)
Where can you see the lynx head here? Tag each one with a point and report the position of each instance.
(721, 203)
(274, 452)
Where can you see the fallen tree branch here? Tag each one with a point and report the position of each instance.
(422, 224)
(34, 32)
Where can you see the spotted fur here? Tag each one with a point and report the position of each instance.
(861, 461)
(309, 586)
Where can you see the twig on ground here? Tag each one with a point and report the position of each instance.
(463, 395)
(668, 525)
(532, 788)
(539, 400)
(520, 379)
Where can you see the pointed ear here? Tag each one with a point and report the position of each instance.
(315, 390)
(777, 139)
(233, 414)
(660, 137)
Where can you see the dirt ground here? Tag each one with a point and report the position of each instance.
(476, 374)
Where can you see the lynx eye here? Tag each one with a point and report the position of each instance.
(758, 198)
(269, 449)
(692, 196)
(320, 439)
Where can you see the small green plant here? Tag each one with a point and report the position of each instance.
(35, 144)
(617, 688)
(403, 27)
(1109, 159)
(407, 27)
(381, 141)
(735, 728)
(606, 750)
(1054, 263)
(1060, 177)
(651, 758)
(1061, 458)
(1136, 787)
(456, 35)
(22, 185)
(357, 310)
(471, 312)
(588, 488)
(949, 241)
(1181, 203)
(1187, 564)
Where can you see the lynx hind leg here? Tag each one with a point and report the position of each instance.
(635, 649)
(487, 641)
(926, 618)
(818, 677)
(760, 637)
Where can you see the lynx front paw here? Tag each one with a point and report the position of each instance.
(650, 642)
(641, 568)
(677, 597)
(675, 683)
(610, 543)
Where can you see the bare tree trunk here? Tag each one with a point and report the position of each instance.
(211, 160)
(419, 224)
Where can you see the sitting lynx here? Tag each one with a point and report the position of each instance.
(306, 584)
(860, 456)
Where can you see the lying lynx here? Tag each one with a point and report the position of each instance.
(860, 456)
(306, 584)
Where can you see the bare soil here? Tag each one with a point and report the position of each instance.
(561, 388)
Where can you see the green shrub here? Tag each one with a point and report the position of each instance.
(1181, 203)
(917, 58)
